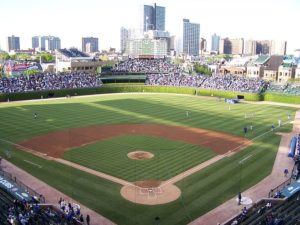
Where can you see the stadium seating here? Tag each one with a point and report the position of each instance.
(273, 211)
(289, 89)
(15, 210)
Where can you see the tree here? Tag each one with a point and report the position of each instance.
(22, 56)
(178, 61)
(45, 57)
(31, 72)
(202, 69)
(4, 56)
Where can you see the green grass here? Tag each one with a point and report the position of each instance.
(200, 192)
(110, 156)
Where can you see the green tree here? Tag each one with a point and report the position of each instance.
(45, 57)
(22, 56)
(31, 72)
(178, 61)
(4, 56)
(202, 69)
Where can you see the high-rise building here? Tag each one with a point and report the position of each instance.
(35, 42)
(237, 46)
(279, 48)
(225, 46)
(154, 17)
(46, 43)
(160, 17)
(250, 47)
(124, 36)
(263, 47)
(215, 41)
(90, 44)
(203, 45)
(191, 37)
(13, 43)
(231, 46)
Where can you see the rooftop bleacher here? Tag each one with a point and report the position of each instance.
(72, 53)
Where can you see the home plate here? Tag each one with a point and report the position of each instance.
(245, 201)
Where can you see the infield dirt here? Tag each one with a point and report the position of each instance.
(56, 143)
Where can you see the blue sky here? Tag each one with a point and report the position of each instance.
(72, 19)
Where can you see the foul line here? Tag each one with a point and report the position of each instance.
(39, 166)
(244, 159)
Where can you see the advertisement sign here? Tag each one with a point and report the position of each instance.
(18, 193)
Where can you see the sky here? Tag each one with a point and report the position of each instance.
(73, 19)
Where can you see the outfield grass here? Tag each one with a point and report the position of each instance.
(110, 156)
(200, 192)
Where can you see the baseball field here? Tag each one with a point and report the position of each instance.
(169, 156)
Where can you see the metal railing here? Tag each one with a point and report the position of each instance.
(273, 192)
(293, 177)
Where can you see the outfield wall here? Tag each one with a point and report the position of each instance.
(124, 88)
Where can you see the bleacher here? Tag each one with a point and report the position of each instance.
(72, 52)
(289, 89)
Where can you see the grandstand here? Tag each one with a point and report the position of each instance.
(222, 82)
(288, 88)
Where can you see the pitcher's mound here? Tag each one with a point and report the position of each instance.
(150, 192)
(140, 155)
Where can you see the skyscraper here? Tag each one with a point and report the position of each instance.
(237, 46)
(250, 47)
(124, 36)
(90, 44)
(154, 17)
(203, 45)
(191, 37)
(231, 46)
(215, 41)
(46, 43)
(160, 14)
(13, 43)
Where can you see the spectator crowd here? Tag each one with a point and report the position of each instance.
(159, 72)
(48, 81)
(24, 213)
(221, 82)
(146, 66)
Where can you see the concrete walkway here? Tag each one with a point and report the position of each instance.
(52, 195)
(261, 189)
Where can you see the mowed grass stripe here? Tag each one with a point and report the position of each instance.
(109, 157)
(200, 192)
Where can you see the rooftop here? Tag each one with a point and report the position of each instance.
(274, 62)
(72, 53)
(262, 59)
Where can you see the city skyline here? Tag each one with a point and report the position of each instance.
(241, 20)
